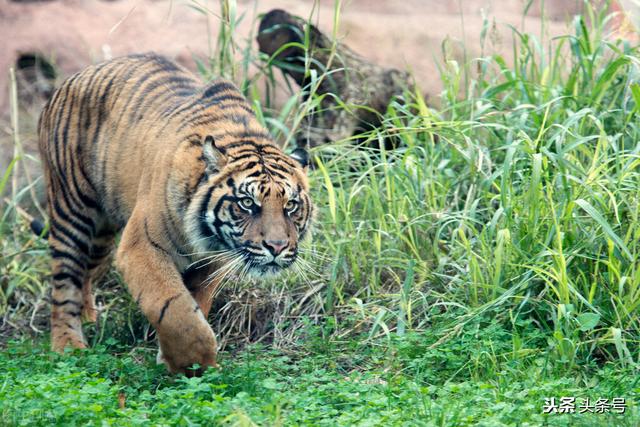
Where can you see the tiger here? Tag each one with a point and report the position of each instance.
(186, 175)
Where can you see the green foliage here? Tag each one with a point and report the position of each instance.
(481, 377)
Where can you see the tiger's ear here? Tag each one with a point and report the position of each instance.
(301, 156)
(214, 157)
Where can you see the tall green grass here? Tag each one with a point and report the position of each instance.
(527, 200)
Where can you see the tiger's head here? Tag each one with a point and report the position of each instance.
(253, 208)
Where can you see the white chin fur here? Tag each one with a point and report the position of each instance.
(270, 273)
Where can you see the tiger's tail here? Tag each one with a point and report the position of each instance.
(37, 226)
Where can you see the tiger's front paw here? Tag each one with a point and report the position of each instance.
(180, 352)
(186, 340)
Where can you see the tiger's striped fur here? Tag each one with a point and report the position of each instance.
(194, 182)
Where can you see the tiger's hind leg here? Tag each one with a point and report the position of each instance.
(69, 241)
(101, 255)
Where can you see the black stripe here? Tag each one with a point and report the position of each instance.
(204, 114)
(86, 225)
(65, 302)
(168, 83)
(210, 116)
(98, 252)
(58, 286)
(287, 160)
(276, 173)
(59, 277)
(165, 306)
(176, 108)
(235, 97)
(78, 241)
(72, 205)
(84, 121)
(97, 100)
(84, 199)
(246, 135)
(153, 243)
(251, 165)
(85, 114)
(59, 253)
(170, 99)
(218, 87)
(235, 158)
(196, 103)
(244, 106)
(256, 173)
(166, 64)
(242, 151)
(195, 139)
(309, 211)
(67, 147)
(71, 270)
(67, 239)
(205, 230)
(218, 223)
(276, 166)
(55, 131)
(140, 82)
(76, 161)
(255, 145)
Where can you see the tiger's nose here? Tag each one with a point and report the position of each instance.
(275, 246)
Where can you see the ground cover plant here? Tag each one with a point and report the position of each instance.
(488, 263)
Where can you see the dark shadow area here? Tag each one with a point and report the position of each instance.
(35, 76)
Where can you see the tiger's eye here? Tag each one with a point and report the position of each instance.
(246, 202)
(291, 205)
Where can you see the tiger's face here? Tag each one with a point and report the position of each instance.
(254, 210)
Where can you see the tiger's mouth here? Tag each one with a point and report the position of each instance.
(263, 266)
(246, 260)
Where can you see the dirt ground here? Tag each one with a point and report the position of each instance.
(405, 34)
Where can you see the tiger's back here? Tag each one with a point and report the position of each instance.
(107, 116)
(186, 171)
